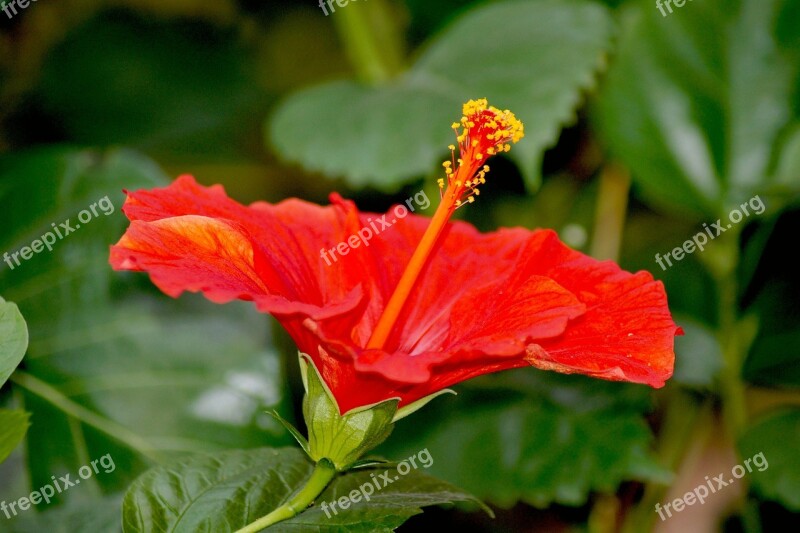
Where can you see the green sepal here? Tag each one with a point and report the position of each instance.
(301, 440)
(368, 463)
(342, 439)
(419, 404)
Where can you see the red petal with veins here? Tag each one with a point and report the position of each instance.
(484, 303)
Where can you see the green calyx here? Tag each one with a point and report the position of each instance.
(342, 440)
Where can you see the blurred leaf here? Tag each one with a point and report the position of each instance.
(226, 491)
(534, 58)
(774, 300)
(428, 17)
(775, 437)
(114, 366)
(95, 516)
(13, 425)
(697, 104)
(698, 356)
(13, 339)
(774, 359)
(535, 437)
(183, 86)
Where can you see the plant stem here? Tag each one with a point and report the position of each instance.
(87, 416)
(612, 204)
(730, 336)
(323, 474)
(371, 39)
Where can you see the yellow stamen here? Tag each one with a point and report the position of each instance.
(489, 130)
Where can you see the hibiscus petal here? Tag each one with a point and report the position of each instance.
(194, 238)
(627, 332)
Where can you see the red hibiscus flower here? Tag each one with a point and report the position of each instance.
(419, 305)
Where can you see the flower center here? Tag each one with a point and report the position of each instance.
(483, 132)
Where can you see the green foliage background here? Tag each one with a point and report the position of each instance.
(639, 129)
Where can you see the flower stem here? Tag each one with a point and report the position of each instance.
(731, 385)
(371, 39)
(323, 474)
(612, 205)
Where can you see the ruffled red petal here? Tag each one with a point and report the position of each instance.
(485, 302)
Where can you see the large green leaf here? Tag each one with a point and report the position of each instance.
(534, 436)
(226, 491)
(701, 104)
(13, 425)
(534, 58)
(13, 339)
(775, 437)
(114, 366)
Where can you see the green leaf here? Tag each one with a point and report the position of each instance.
(13, 425)
(99, 515)
(534, 58)
(229, 490)
(536, 437)
(774, 357)
(700, 104)
(13, 339)
(780, 479)
(115, 366)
